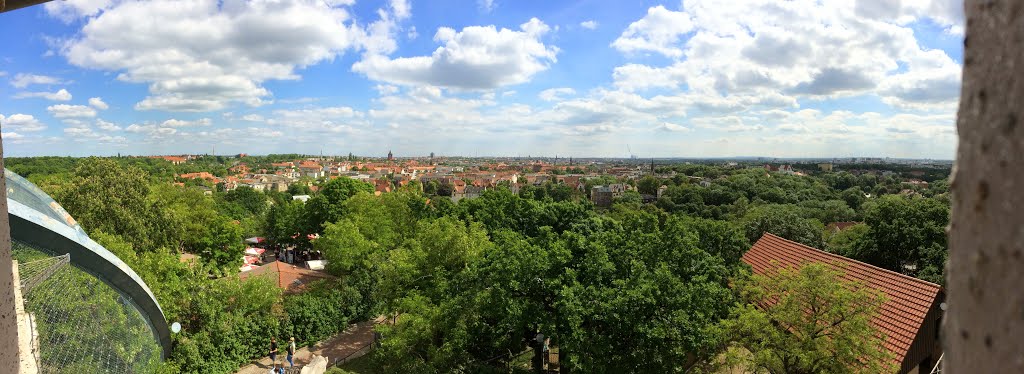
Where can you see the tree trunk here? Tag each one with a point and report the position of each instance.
(984, 327)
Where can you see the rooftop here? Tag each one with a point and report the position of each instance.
(288, 277)
(900, 317)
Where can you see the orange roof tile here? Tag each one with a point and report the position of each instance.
(288, 277)
(900, 317)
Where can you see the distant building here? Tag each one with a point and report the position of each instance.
(174, 160)
(381, 186)
(302, 198)
(909, 318)
(603, 196)
(784, 169)
(825, 167)
(311, 169)
(391, 157)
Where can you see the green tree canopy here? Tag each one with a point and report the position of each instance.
(906, 235)
(783, 220)
(104, 196)
(808, 321)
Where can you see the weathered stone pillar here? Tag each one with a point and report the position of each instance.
(8, 315)
(984, 327)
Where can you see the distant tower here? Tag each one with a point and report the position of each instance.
(391, 157)
(652, 166)
(350, 156)
(431, 158)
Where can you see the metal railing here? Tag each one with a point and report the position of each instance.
(343, 360)
(938, 365)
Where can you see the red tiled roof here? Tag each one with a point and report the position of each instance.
(900, 317)
(285, 275)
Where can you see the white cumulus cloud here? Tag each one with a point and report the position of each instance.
(205, 55)
(553, 94)
(98, 103)
(62, 95)
(22, 80)
(71, 111)
(21, 122)
(107, 126)
(659, 31)
(183, 123)
(478, 57)
(589, 24)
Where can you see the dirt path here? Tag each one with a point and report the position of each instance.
(350, 341)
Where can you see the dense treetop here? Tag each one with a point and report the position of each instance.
(466, 286)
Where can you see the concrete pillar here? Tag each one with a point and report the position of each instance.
(27, 342)
(984, 327)
(8, 315)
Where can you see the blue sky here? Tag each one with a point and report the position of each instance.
(687, 78)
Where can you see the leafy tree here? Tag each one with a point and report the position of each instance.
(323, 310)
(198, 226)
(288, 223)
(251, 201)
(641, 299)
(104, 196)
(844, 242)
(648, 185)
(327, 205)
(783, 220)
(299, 189)
(826, 211)
(853, 197)
(906, 235)
(815, 323)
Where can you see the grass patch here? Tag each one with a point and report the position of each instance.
(361, 365)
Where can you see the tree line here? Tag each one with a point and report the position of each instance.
(466, 286)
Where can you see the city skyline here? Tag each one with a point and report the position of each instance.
(691, 79)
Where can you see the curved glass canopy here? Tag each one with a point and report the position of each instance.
(98, 313)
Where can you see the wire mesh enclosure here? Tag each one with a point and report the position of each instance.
(86, 310)
(79, 323)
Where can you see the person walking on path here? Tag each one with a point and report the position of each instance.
(273, 351)
(291, 352)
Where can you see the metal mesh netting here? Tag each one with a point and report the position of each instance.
(79, 323)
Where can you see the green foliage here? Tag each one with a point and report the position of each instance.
(247, 200)
(199, 227)
(288, 223)
(782, 220)
(906, 235)
(817, 323)
(635, 288)
(648, 185)
(228, 322)
(320, 312)
(642, 299)
(327, 205)
(844, 242)
(501, 209)
(103, 196)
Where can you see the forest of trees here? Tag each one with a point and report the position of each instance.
(466, 286)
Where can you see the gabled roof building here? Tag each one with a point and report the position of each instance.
(910, 316)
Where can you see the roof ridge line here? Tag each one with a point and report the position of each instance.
(841, 258)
